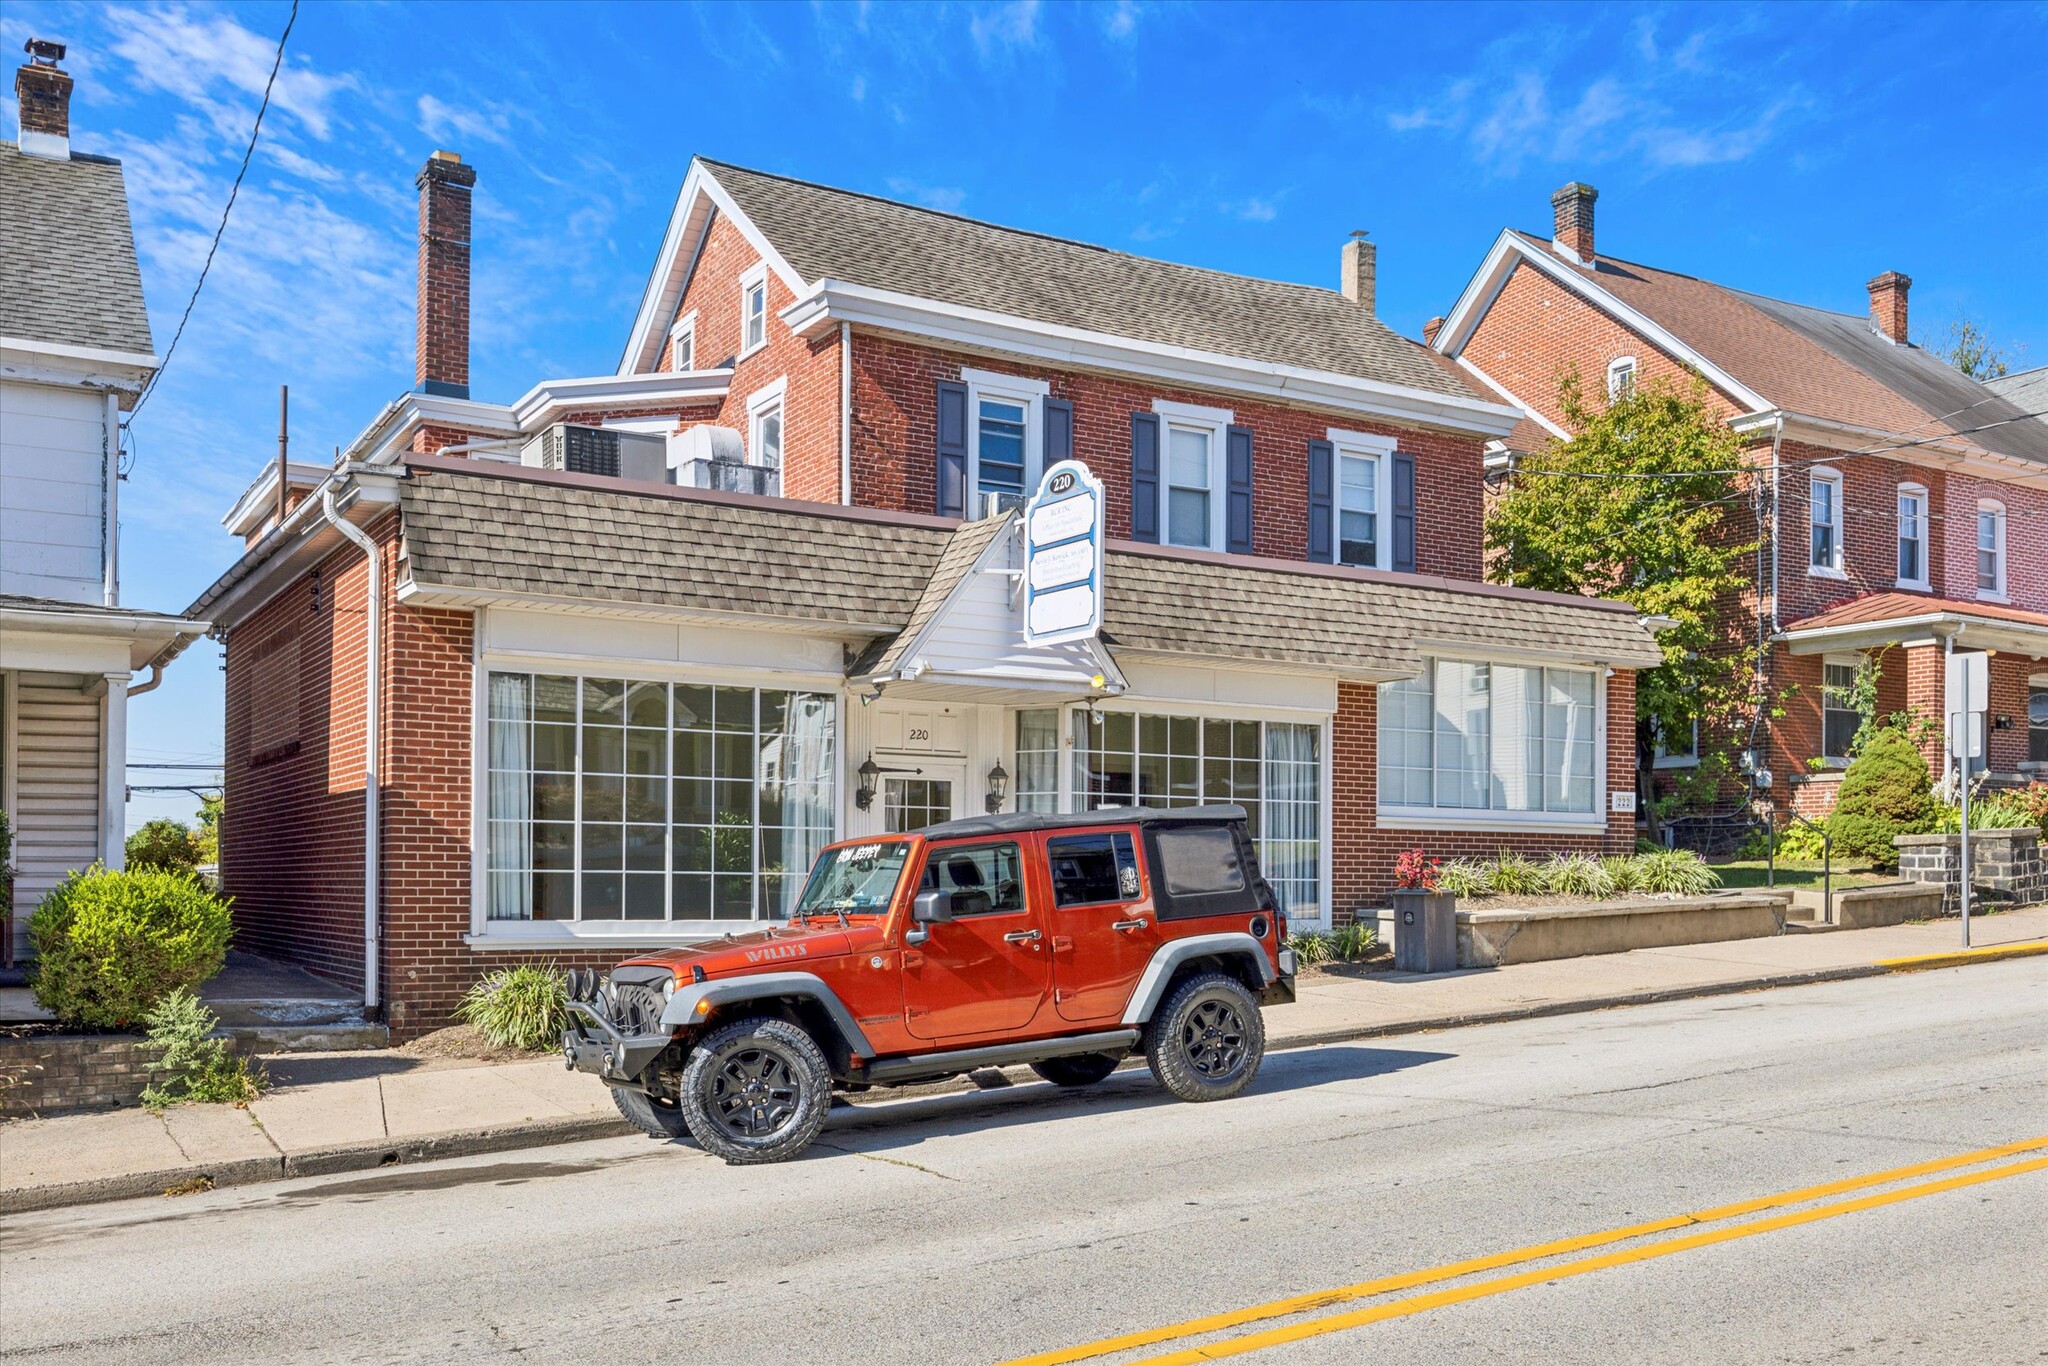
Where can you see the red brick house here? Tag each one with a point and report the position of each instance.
(601, 667)
(1906, 505)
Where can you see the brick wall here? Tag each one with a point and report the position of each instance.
(50, 1073)
(895, 446)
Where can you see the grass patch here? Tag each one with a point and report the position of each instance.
(1796, 873)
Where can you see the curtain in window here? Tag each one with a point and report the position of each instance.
(1464, 758)
(1290, 848)
(509, 802)
(797, 788)
(1568, 756)
(1517, 738)
(1038, 756)
(1407, 743)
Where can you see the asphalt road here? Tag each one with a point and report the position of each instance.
(984, 1227)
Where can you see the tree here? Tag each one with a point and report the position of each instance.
(165, 844)
(1646, 501)
(206, 839)
(1966, 346)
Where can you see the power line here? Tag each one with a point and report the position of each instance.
(233, 191)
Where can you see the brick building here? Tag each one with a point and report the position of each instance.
(1905, 504)
(600, 668)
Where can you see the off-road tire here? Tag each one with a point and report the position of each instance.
(655, 1118)
(1207, 1040)
(1080, 1069)
(756, 1090)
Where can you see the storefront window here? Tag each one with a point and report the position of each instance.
(1037, 784)
(1272, 769)
(1471, 736)
(614, 799)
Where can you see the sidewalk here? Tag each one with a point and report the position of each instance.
(339, 1112)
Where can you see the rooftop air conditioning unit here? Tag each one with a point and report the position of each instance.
(711, 457)
(603, 451)
(990, 503)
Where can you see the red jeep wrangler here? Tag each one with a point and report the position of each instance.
(1065, 942)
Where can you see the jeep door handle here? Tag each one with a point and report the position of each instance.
(1137, 924)
(1022, 936)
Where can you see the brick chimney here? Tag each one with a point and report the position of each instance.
(441, 356)
(44, 91)
(1431, 328)
(1359, 277)
(1573, 234)
(1888, 304)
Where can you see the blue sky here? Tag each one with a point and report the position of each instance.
(1795, 150)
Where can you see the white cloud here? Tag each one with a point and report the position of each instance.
(480, 121)
(220, 69)
(942, 197)
(1122, 20)
(859, 89)
(1252, 210)
(998, 27)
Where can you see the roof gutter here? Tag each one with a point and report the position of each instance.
(373, 681)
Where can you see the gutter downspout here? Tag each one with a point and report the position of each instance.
(372, 740)
(1777, 439)
(846, 414)
(155, 681)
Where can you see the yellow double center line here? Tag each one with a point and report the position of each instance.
(1416, 1304)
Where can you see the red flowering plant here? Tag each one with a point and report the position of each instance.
(1415, 871)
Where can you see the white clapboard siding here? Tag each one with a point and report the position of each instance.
(52, 484)
(57, 786)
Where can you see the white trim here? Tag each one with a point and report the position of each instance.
(93, 355)
(685, 326)
(1528, 411)
(1998, 592)
(1378, 449)
(1687, 759)
(1937, 452)
(754, 276)
(1840, 660)
(759, 403)
(1917, 492)
(1194, 412)
(1029, 394)
(1815, 476)
(832, 301)
(1454, 818)
(1616, 368)
(259, 500)
(1214, 425)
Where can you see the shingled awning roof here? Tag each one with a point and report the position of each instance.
(527, 535)
(830, 234)
(67, 254)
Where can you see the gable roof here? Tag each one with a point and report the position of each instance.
(1797, 358)
(68, 274)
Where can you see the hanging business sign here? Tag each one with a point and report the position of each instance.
(1063, 557)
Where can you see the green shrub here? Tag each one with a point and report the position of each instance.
(109, 945)
(163, 844)
(1624, 873)
(1678, 871)
(1311, 946)
(1648, 846)
(1510, 874)
(2001, 812)
(2032, 799)
(1462, 877)
(1886, 792)
(523, 1007)
(191, 1064)
(1355, 941)
(1801, 842)
(1576, 875)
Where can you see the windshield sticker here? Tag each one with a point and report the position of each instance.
(1127, 881)
(859, 853)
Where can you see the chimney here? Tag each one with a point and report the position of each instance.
(1573, 234)
(1359, 275)
(1431, 328)
(44, 92)
(441, 356)
(1888, 304)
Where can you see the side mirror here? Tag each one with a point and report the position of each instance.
(932, 908)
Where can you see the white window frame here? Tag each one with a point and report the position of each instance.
(2035, 682)
(1917, 492)
(1594, 822)
(758, 276)
(1379, 449)
(1216, 423)
(1031, 394)
(1820, 475)
(1851, 660)
(768, 398)
(1619, 370)
(684, 327)
(1997, 592)
(1685, 758)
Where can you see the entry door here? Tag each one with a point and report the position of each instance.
(911, 801)
(987, 969)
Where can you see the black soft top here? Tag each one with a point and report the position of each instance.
(1017, 822)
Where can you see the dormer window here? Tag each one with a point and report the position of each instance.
(682, 343)
(753, 310)
(1621, 377)
(1912, 536)
(1824, 518)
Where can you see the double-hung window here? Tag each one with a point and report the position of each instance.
(1364, 491)
(754, 310)
(1621, 377)
(682, 351)
(764, 425)
(1990, 549)
(1006, 455)
(1824, 516)
(1912, 536)
(1841, 716)
(1192, 473)
(1490, 740)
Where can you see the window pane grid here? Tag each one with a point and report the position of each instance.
(1489, 737)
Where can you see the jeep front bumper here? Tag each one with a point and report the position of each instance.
(593, 1044)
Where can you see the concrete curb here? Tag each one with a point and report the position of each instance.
(579, 1128)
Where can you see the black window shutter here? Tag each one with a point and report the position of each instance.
(1237, 472)
(1322, 502)
(1404, 513)
(1145, 477)
(951, 483)
(1059, 431)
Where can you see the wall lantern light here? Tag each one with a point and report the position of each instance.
(998, 787)
(864, 795)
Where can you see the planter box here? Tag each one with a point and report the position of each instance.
(1425, 931)
(51, 1073)
(1894, 903)
(1488, 939)
(2006, 866)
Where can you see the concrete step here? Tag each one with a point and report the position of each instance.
(324, 1037)
(288, 1010)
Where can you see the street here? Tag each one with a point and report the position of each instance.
(1003, 1224)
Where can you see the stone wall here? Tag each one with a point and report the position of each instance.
(2006, 866)
(50, 1073)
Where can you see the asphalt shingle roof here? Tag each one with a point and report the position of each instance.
(858, 239)
(68, 272)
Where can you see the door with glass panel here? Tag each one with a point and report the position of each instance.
(912, 801)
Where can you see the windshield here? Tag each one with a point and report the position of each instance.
(853, 879)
